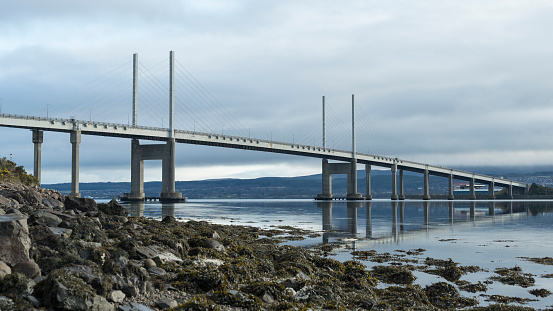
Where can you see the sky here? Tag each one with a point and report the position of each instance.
(452, 83)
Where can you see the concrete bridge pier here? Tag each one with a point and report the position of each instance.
(401, 193)
(426, 194)
(75, 138)
(394, 182)
(472, 194)
(491, 191)
(450, 188)
(368, 181)
(510, 191)
(163, 152)
(350, 169)
(37, 140)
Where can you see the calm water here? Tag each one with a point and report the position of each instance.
(483, 233)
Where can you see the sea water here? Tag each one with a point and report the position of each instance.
(488, 234)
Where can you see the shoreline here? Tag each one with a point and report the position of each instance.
(82, 255)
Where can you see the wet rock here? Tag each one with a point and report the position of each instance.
(445, 295)
(4, 270)
(149, 263)
(169, 219)
(163, 258)
(166, 303)
(80, 204)
(14, 285)
(44, 218)
(94, 277)
(6, 303)
(148, 252)
(116, 296)
(84, 228)
(30, 269)
(134, 306)
(15, 241)
(542, 292)
(514, 276)
(7, 203)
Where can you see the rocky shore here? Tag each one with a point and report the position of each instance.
(62, 253)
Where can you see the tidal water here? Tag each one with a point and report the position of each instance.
(488, 234)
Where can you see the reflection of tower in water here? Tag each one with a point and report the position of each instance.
(167, 209)
(352, 216)
(137, 209)
(394, 220)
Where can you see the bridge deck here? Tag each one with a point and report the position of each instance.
(236, 142)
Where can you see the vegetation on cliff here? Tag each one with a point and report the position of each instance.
(10, 172)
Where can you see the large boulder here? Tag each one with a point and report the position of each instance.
(113, 208)
(29, 269)
(4, 270)
(44, 218)
(81, 204)
(15, 241)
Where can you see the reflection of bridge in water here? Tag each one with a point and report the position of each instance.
(459, 213)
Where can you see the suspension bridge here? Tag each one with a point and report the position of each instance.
(345, 161)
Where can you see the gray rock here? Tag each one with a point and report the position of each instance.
(116, 296)
(4, 270)
(53, 204)
(214, 244)
(146, 252)
(99, 303)
(30, 269)
(44, 218)
(6, 303)
(15, 241)
(133, 306)
(81, 204)
(33, 301)
(113, 208)
(166, 303)
(62, 232)
(149, 263)
(157, 271)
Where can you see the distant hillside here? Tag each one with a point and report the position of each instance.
(293, 187)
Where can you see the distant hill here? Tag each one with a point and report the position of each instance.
(297, 187)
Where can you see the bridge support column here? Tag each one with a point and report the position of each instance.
(137, 173)
(401, 193)
(368, 181)
(352, 182)
(37, 140)
(75, 141)
(168, 173)
(510, 191)
(394, 182)
(472, 194)
(426, 194)
(326, 193)
(450, 188)
(491, 191)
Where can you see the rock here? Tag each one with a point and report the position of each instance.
(149, 263)
(62, 290)
(93, 277)
(81, 204)
(32, 300)
(169, 219)
(15, 241)
(133, 306)
(7, 203)
(116, 296)
(4, 270)
(166, 303)
(148, 252)
(214, 244)
(52, 203)
(99, 303)
(166, 257)
(62, 232)
(113, 208)
(209, 262)
(157, 271)
(6, 303)
(44, 218)
(30, 269)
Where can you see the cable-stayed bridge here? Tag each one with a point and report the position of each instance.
(347, 159)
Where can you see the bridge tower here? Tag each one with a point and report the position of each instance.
(350, 169)
(164, 152)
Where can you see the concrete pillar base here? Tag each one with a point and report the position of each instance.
(450, 197)
(369, 197)
(130, 196)
(74, 195)
(401, 197)
(354, 196)
(426, 197)
(394, 197)
(171, 195)
(321, 196)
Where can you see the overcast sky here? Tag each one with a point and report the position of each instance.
(443, 82)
